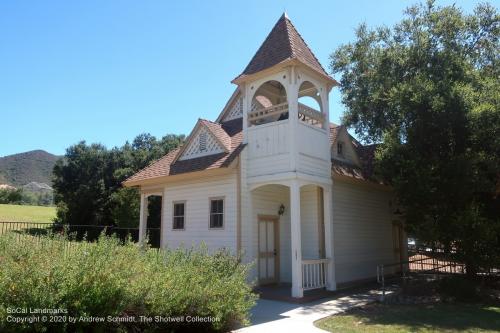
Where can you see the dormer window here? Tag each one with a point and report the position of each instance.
(203, 141)
(340, 149)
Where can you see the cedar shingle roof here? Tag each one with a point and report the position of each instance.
(229, 132)
(218, 132)
(334, 132)
(366, 155)
(283, 42)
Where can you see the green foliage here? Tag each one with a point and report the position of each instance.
(428, 89)
(87, 182)
(106, 278)
(125, 207)
(24, 197)
(8, 196)
(23, 168)
(459, 288)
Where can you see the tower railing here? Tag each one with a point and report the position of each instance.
(280, 111)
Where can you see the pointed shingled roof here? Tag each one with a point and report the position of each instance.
(283, 42)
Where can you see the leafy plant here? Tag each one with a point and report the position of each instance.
(427, 90)
(107, 278)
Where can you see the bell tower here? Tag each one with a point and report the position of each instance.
(285, 109)
(286, 130)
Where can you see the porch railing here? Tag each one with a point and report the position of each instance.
(307, 114)
(314, 273)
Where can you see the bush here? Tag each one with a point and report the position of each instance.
(459, 288)
(107, 278)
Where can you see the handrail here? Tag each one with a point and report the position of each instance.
(315, 261)
(314, 273)
(314, 116)
(267, 112)
(306, 113)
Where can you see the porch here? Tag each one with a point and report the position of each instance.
(293, 236)
(281, 292)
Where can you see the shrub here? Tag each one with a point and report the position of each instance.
(107, 278)
(460, 288)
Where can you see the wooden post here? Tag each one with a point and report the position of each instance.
(297, 290)
(143, 217)
(293, 111)
(329, 252)
(162, 220)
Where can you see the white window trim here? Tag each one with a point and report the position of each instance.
(173, 214)
(223, 198)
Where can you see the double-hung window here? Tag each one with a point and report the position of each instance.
(216, 213)
(179, 215)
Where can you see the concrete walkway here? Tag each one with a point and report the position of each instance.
(275, 316)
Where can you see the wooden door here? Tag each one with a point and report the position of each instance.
(268, 249)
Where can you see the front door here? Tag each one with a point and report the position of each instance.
(268, 249)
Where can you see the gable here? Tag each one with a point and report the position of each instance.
(349, 153)
(235, 110)
(203, 143)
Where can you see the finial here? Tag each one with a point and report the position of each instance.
(285, 14)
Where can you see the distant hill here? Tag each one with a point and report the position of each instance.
(24, 168)
(37, 187)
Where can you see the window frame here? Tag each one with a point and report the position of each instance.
(341, 145)
(174, 216)
(223, 198)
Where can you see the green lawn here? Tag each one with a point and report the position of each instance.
(18, 213)
(440, 317)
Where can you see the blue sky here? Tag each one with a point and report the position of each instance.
(105, 71)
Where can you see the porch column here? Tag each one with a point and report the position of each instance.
(329, 253)
(162, 220)
(297, 290)
(143, 217)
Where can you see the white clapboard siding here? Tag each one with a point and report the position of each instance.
(196, 194)
(268, 149)
(349, 155)
(314, 166)
(362, 226)
(266, 200)
(309, 222)
(313, 151)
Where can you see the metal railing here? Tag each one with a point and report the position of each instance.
(77, 232)
(422, 264)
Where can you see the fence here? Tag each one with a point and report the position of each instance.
(426, 260)
(78, 232)
(420, 264)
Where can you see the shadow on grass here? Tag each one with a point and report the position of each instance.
(430, 317)
(34, 231)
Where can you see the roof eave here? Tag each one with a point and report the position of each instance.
(242, 78)
(181, 176)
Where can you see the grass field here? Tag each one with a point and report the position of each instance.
(440, 317)
(18, 213)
